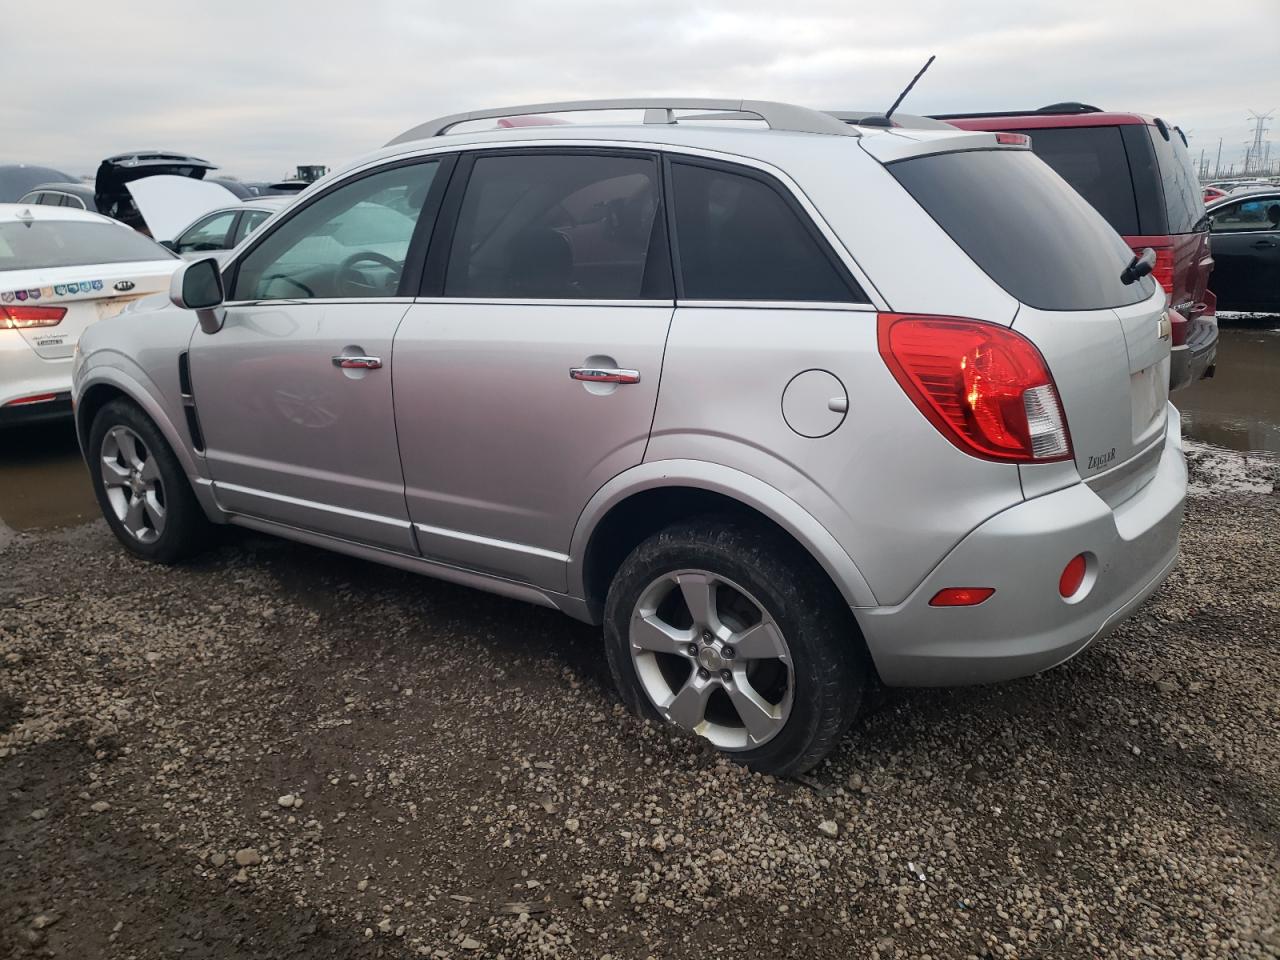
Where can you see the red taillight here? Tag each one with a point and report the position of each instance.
(1013, 139)
(1072, 576)
(19, 318)
(961, 596)
(1162, 273)
(986, 388)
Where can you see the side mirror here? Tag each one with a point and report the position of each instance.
(198, 286)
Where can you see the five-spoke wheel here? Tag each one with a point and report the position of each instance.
(711, 659)
(135, 490)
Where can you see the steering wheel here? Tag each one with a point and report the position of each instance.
(350, 278)
(266, 282)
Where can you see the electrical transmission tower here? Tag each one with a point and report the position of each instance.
(1254, 153)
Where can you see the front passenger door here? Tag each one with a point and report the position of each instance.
(294, 392)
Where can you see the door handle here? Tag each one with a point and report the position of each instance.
(358, 363)
(604, 375)
(1262, 244)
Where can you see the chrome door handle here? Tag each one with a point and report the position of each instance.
(604, 375)
(358, 363)
(1263, 244)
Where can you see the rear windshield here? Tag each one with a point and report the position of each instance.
(1093, 160)
(72, 243)
(1025, 226)
(1183, 198)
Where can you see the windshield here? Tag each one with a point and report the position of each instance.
(1025, 227)
(41, 244)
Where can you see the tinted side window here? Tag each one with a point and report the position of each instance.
(574, 226)
(1183, 197)
(1024, 225)
(346, 244)
(208, 234)
(1092, 159)
(1246, 215)
(738, 239)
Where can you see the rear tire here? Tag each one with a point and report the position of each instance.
(141, 487)
(769, 668)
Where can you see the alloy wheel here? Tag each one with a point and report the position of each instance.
(131, 477)
(711, 659)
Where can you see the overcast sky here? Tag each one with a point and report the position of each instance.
(258, 87)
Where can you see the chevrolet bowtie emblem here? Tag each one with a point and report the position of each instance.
(1164, 327)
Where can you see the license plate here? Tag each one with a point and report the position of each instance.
(1146, 390)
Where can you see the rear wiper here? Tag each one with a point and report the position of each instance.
(1141, 264)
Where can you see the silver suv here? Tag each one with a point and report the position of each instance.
(784, 406)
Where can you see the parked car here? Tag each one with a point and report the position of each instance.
(221, 230)
(1136, 172)
(1245, 236)
(111, 193)
(1213, 193)
(766, 456)
(76, 195)
(17, 179)
(61, 269)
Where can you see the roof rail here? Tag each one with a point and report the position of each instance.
(1070, 106)
(1067, 107)
(657, 110)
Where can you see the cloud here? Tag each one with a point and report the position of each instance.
(260, 87)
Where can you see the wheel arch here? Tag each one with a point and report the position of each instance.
(646, 498)
(102, 384)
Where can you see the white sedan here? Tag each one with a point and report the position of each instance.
(61, 269)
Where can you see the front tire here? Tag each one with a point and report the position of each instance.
(735, 635)
(141, 487)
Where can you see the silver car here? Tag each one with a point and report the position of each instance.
(784, 407)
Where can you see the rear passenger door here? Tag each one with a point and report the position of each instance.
(528, 371)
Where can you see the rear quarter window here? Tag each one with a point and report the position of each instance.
(1183, 198)
(1025, 227)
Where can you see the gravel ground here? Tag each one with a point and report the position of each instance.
(279, 752)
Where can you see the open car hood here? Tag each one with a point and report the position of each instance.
(169, 203)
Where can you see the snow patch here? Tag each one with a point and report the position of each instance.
(1212, 470)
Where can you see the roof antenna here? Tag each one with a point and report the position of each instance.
(886, 120)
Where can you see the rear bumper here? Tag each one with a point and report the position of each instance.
(1190, 361)
(1026, 626)
(59, 408)
(24, 374)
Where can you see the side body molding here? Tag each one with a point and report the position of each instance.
(736, 485)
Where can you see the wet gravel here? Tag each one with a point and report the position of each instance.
(278, 752)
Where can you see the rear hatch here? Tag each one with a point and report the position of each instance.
(1106, 342)
(109, 267)
(109, 190)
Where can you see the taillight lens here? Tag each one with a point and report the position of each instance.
(19, 318)
(985, 388)
(1163, 270)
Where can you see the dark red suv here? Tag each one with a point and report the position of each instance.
(1137, 173)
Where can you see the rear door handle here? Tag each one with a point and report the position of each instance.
(1263, 244)
(358, 363)
(604, 375)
